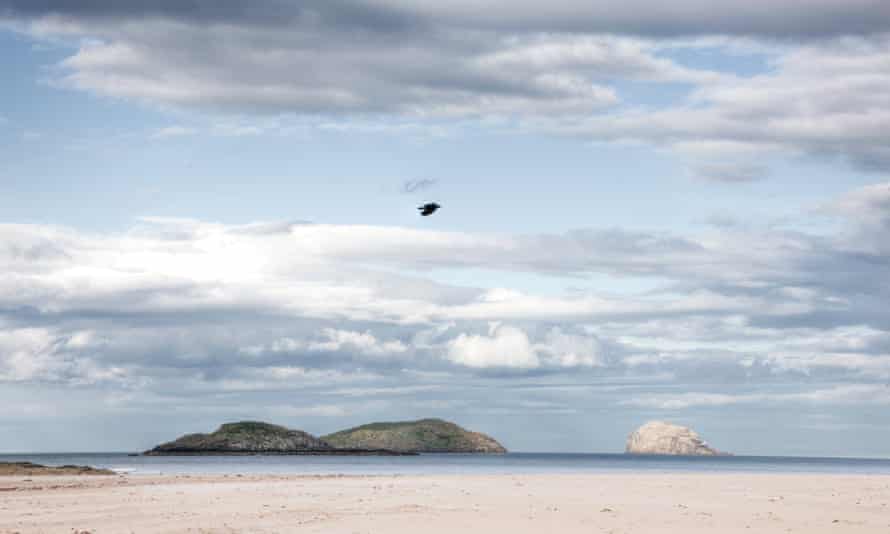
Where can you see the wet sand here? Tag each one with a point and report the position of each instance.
(476, 504)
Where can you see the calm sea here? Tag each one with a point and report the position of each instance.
(513, 463)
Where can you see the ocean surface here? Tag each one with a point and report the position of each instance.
(512, 463)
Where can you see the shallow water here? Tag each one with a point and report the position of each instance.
(512, 463)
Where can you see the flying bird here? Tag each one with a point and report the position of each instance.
(428, 209)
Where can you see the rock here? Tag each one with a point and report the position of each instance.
(253, 437)
(658, 437)
(425, 435)
(31, 469)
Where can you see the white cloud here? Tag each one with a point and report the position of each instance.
(510, 347)
(866, 365)
(333, 340)
(309, 62)
(568, 350)
(823, 98)
(311, 69)
(25, 353)
(605, 56)
(504, 346)
(362, 342)
(868, 206)
(385, 391)
(43, 355)
(247, 306)
(844, 394)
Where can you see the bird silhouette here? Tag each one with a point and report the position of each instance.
(428, 209)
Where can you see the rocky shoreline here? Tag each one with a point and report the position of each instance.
(32, 469)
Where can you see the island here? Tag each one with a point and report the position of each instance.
(422, 436)
(255, 437)
(659, 437)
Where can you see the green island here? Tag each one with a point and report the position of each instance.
(423, 436)
(400, 438)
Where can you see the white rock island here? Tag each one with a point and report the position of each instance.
(659, 437)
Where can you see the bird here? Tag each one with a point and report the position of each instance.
(428, 209)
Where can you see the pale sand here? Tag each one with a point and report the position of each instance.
(489, 504)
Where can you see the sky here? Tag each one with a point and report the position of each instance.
(651, 210)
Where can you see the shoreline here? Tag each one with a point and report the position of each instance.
(332, 452)
(456, 463)
(516, 453)
(637, 502)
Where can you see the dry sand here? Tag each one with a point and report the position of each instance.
(589, 503)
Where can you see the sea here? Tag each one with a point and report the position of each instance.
(466, 464)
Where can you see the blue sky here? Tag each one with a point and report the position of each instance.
(206, 214)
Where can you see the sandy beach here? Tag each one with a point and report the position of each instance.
(609, 503)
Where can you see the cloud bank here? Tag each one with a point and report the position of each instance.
(189, 305)
(561, 67)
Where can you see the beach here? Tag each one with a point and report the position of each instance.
(529, 503)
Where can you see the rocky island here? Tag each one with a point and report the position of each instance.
(659, 437)
(253, 437)
(423, 436)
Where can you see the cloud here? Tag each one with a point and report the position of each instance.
(824, 99)
(682, 17)
(845, 394)
(772, 18)
(364, 343)
(311, 69)
(178, 305)
(340, 59)
(385, 391)
(504, 346)
(604, 57)
(562, 68)
(867, 212)
(869, 205)
(510, 348)
(44, 355)
(332, 340)
(567, 350)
